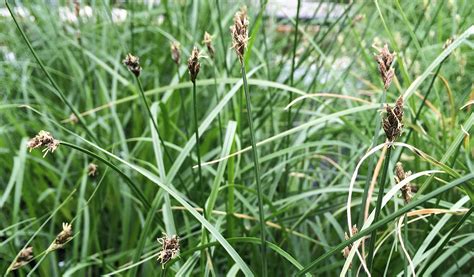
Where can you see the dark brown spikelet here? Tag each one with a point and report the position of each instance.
(240, 33)
(170, 248)
(176, 52)
(193, 64)
(208, 42)
(347, 249)
(408, 189)
(385, 59)
(44, 139)
(392, 124)
(25, 256)
(133, 64)
(62, 238)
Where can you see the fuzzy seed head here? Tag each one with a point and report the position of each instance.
(62, 238)
(208, 42)
(240, 33)
(347, 249)
(25, 256)
(92, 169)
(408, 189)
(133, 64)
(385, 59)
(193, 64)
(170, 248)
(392, 124)
(44, 139)
(176, 52)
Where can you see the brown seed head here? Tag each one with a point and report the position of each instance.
(408, 189)
(239, 32)
(92, 169)
(44, 139)
(63, 237)
(193, 64)
(170, 248)
(208, 42)
(392, 124)
(133, 64)
(176, 52)
(25, 256)
(385, 59)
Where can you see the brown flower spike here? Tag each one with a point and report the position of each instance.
(208, 42)
(392, 124)
(408, 189)
(170, 248)
(25, 256)
(385, 59)
(193, 64)
(62, 238)
(176, 52)
(44, 139)
(133, 64)
(240, 33)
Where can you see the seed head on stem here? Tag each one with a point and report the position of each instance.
(170, 248)
(25, 256)
(392, 124)
(193, 64)
(62, 238)
(240, 33)
(176, 52)
(44, 139)
(385, 59)
(133, 64)
(208, 42)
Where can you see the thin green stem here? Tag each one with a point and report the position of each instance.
(378, 206)
(290, 99)
(196, 133)
(50, 78)
(257, 173)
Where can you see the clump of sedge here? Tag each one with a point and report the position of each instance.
(44, 139)
(170, 248)
(92, 169)
(385, 59)
(62, 238)
(239, 32)
(347, 249)
(392, 124)
(25, 256)
(408, 189)
(208, 42)
(176, 52)
(133, 64)
(193, 64)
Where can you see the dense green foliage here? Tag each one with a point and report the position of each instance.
(309, 153)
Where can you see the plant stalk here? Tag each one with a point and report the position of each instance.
(257, 173)
(370, 258)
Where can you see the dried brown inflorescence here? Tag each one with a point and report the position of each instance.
(193, 64)
(133, 64)
(208, 42)
(408, 189)
(92, 169)
(62, 238)
(392, 124)
(44, 139)
(385, 59)
(240, 34)
(347, 249)
(170, 248)
(176, 52)
(25, 256)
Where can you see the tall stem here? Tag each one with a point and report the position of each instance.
(196, 132)
(378, 206)
(257, 173)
